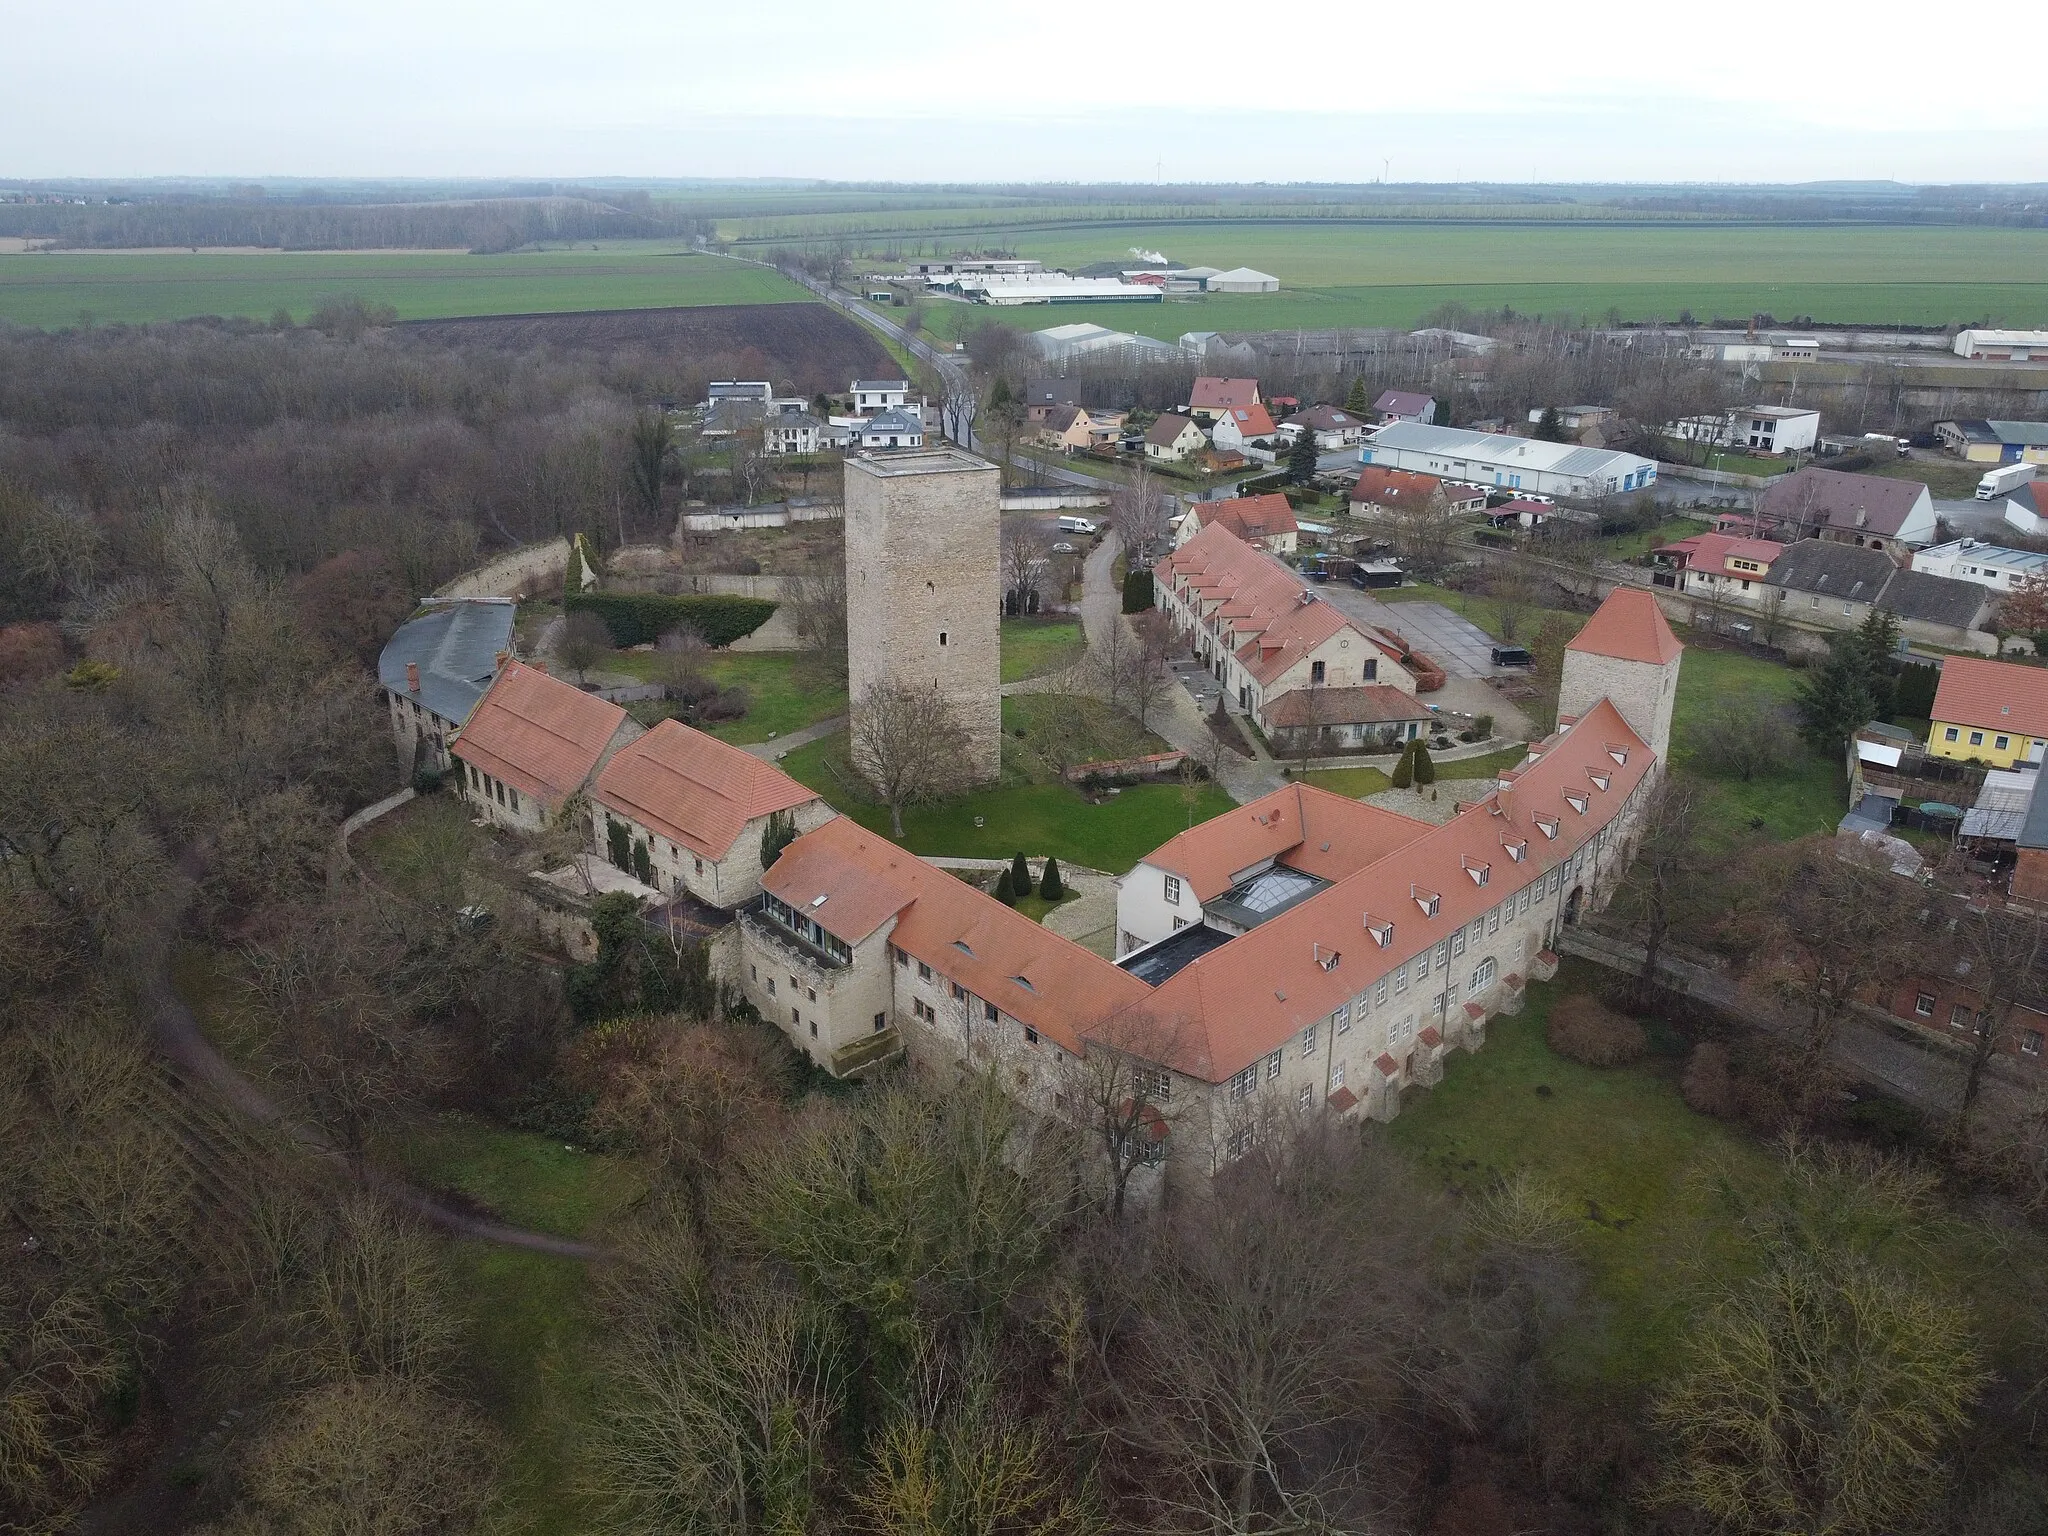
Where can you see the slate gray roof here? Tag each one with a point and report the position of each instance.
(2034, 830)
(1845, 572)
(455, 646)
(1936, 599)
(1815, 496)
(2022, 434)
(872, 385)
(1051, 392)
(893, 421)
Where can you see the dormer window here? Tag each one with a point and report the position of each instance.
(1330, 961)
(1619, 754)
(1024, 982)
(1479, 871)
(1578, 800)
(1429, 901)
(1547, 825)
(1518, 849)
(1381, 930)
(1600, 780)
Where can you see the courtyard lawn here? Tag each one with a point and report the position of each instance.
(1355, 783)
(1633, 546)
(781, 697)
(1950, 481)
(1034, 647)
(1809, 796)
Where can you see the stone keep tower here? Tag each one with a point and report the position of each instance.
(923, 585)
(1627, 655)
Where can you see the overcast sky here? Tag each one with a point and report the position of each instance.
(1193, 90)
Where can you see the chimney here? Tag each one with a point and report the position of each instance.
(412, 677)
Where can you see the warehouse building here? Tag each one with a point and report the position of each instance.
(2003, 346)
(1511, 463)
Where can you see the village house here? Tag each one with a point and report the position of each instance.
(787, 432)
(433, 670)
(1333, 428)
(1066, 428)
(1993, 712)
(1718, 567)
(532, 744)
(1211, 397)
(698, 807)
(1241, 427)
(1040, 397)
(1265, 521)
(891, 429)
(873, 396)
(1404, 405)
(1381, 492)
(1835, 586)
(1173, 438)
(1871, 511)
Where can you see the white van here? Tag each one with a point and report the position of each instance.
(1076, 525)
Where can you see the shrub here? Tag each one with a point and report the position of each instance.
(1006, 891)
(725, 704)
(643, 863)
(1423, 770)
(1706, 1085)
(639, 618)
(1586, 1030)
(1050, 886)
(1483, 725)
(1404, 770)
(1137, 591)
(426, 779)
(1020, 874)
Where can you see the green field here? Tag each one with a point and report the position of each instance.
(58, 289)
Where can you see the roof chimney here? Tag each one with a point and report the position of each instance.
(412, 677)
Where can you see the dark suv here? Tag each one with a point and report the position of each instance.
(1512, 656)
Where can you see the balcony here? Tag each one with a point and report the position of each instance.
(757, 919)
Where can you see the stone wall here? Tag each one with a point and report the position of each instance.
(518, 573)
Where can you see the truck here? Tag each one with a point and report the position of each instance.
(2004, 480)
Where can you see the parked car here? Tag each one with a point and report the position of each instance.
(1512, 656)
(1064, 548)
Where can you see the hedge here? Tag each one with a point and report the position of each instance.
(1138, 593)
(637, 618)
(1259, 484)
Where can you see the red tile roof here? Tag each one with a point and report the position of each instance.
(1713, 551)
(1303, 827)
(1251, 421)
(1380, 486)
(694, 789)
(538, 734)
(1373, 704)
(1628, 625)
(995, 952)
(1250, 517)
(1992, 695)
(1211, 394)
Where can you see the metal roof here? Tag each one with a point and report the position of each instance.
(455, 646)
(1499, 448)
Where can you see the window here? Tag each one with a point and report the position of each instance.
(1372, 670)
(881, 1022)
(1308, 1041)
(1241, 1141)
(988, 1012)
(1152, 1083)
(1306, 1098)
(1273, 1065)
(771, 986)
(1493, 921)
(1483, 974)
(1951, 734)
(2030, 1043)
(1179, 923)
(2001, 742)
(1341, 1019)
(795, 1017)
(1245, 1082)
(1924, 1005)
(1173, 890)
(1458, 941)
(924, 972)
(1400, 979)
(942, 637)
(901, 957)
(1030, 1035)
(1443, 955)
(1959, 1016)
(1379, 993)
(1337, 1077)
(1422, 966)
(1315, 672)
(1976, 738)
(512, 797)
(959, 993)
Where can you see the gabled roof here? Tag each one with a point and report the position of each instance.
(1249, 517)
(1212, 394)
(1167, 430)
(1992, 695)
(1372, 704)
(538, 734)
(1630, 626)
(694, 789)
(1713, 551)
(2033, 496)
(893, 420)
(1402, 402)
(851, 881)
(1936, 599)
(1062, 417)
(1298, 825)
(1380, 486)
(1812, 497)
(456, 647)
(1251, 420)
(1849, 573)
(1050, 392)
(1326, 418)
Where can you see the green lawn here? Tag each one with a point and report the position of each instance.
(783, 699)
(1356, 783)
(55, 289)
(1034, 647)
(1633, 546)
(1952, 481)
(1810, 796)
(1035, 906)
(524, 1179)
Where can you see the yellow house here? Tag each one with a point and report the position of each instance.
(1994, 712)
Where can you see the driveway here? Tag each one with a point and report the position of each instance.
(1454, 643)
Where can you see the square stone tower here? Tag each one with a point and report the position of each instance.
(1627, 655)
(924, 588)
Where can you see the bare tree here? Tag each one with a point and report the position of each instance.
(816, 596)
(1026, 558)
(1663, 884)
(909, 746)
(1421, 534)
(584, 640)
(1119, 1096)
(1994, 951)
(1138, 512)
(1512, 586)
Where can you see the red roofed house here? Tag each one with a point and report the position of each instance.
(1210, 398)
(1263, 632)
(1267, 521)
(1241, 426)
(1716, 566)
(1380, 492)
(532, 744)
(1993, 712)
(700, 807)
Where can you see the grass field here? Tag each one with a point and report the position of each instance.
(1034, 647)
(57, 289)
(781, 698)
(1809, 796)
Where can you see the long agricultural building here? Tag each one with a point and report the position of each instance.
(1511, 463)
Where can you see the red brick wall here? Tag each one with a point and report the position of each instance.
(1940, 999)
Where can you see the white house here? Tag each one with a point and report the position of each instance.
(1240, 426)
(1757, 428)
(892, 429)
(873, 395)
(1173, 438)
(795, 432)
(1333, 428)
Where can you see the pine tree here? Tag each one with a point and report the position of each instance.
(1836, 698)
(1404, 770)
(1423, 769)
(1020, 875)
(777, 835)
(1549, 428)
(643, 865)
(1006, 893)
(1877, 641)
(1355, 401)
(1050, 887)
(1301, 458)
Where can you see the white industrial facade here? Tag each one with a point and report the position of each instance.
(1510, 463)
(2003, 346)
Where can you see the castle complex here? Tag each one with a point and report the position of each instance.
(923, 589)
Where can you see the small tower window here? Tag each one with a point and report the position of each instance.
(942, 637)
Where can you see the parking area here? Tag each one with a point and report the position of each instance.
(1454, 643)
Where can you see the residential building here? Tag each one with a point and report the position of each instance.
(1211, 397)
(1040, 397)
(1241, 426)
(923, 587)
(2026, 509)
(1718, 567)
(891, 429)
(1992, 712)
(1508, 463)
(1173, 438)
(1462, 499)
(1996, 442)
(1768, 429)
(1574, 418)
(757, 391)
(433, 670)
(730, 417)
(1835, 586)
(532, 745)
(1067, 428)
(1265, 521)
(1986, 564)
(1522, 512)
(1262, 631)
(1946, 1005)
(1381, 492)
(1333, 428)
(1243, 280)
(1872, 511)
(790, 432)
(1405, 405)
(700, 808)
(2002, 346)
(871, 396)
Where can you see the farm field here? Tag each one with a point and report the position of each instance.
(56, 289)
